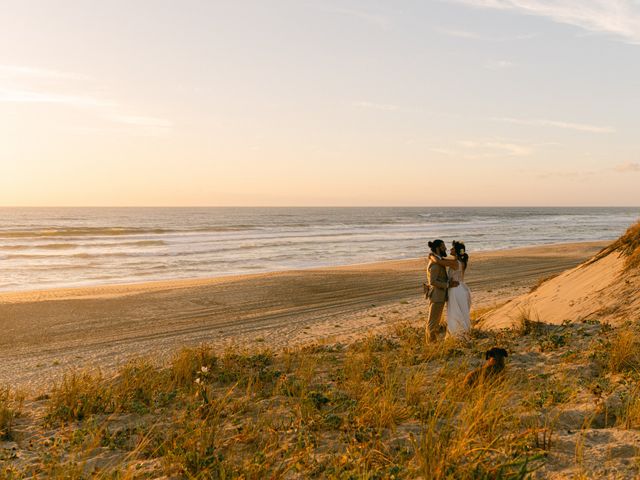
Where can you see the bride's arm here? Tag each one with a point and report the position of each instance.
(444, 262)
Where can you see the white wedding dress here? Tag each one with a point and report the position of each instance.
(459, 304)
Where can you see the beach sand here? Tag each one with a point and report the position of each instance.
(46, 333)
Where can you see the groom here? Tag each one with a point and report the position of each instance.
(437, 283)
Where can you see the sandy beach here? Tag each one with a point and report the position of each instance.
(46, 333)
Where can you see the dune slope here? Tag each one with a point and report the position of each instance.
(605, 287)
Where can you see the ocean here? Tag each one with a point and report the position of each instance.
(68, 247)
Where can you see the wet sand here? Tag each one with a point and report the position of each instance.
(45, 333)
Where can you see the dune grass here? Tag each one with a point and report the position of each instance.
(624, 351)
(627, 245)
(10, 405)
(387, 406)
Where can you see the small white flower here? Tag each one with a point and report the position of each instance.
(198, 380)
(204, 369)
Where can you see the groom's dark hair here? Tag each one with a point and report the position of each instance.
(435, 244)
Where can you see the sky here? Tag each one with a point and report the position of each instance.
(310, 102)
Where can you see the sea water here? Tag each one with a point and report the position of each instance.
(66, 247)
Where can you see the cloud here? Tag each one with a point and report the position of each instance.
(466, 34)
(444, 151)
(8, 95)
(21, 71)
(567, 174)
(139, 121)
(377, 106)
(581, 127)
(510, 149)
(628, 167)
(24, 85)
(619, 18)
(484, 149)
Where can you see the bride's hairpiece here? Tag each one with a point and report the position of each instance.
(459, 246)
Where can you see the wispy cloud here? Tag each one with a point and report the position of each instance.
(9, 95)
(142, 121)
(620, 18)
(510, 149)
(628, 167)
(33, 85)
(483, 149)
(467, 34)
(566, 174)
(22, 71)
(377, 106)
(623, 168)
(581, 127)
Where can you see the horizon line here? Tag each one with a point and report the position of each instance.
(319, 206)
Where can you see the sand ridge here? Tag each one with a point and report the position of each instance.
(600, 289)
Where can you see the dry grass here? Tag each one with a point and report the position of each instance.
(477, 314)
(629, 415)
(138, 388)
(528, 323)
(627, 245)
(624, 351)
(10, 405)
(387, 406)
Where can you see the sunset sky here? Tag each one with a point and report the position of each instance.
(309, 102)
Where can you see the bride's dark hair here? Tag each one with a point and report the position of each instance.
(461, 253)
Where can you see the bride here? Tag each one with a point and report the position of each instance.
(459, 301)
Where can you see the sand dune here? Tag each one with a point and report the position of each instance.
(602, 288)
(48, 332)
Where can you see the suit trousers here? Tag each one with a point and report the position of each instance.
(433, 322)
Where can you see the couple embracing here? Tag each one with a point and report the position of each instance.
(445, 284)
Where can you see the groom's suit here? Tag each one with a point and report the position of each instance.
(438, 282)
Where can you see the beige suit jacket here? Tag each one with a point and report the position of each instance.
(438, 282)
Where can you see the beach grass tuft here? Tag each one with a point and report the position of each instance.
(10, 406)
(627, 245)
